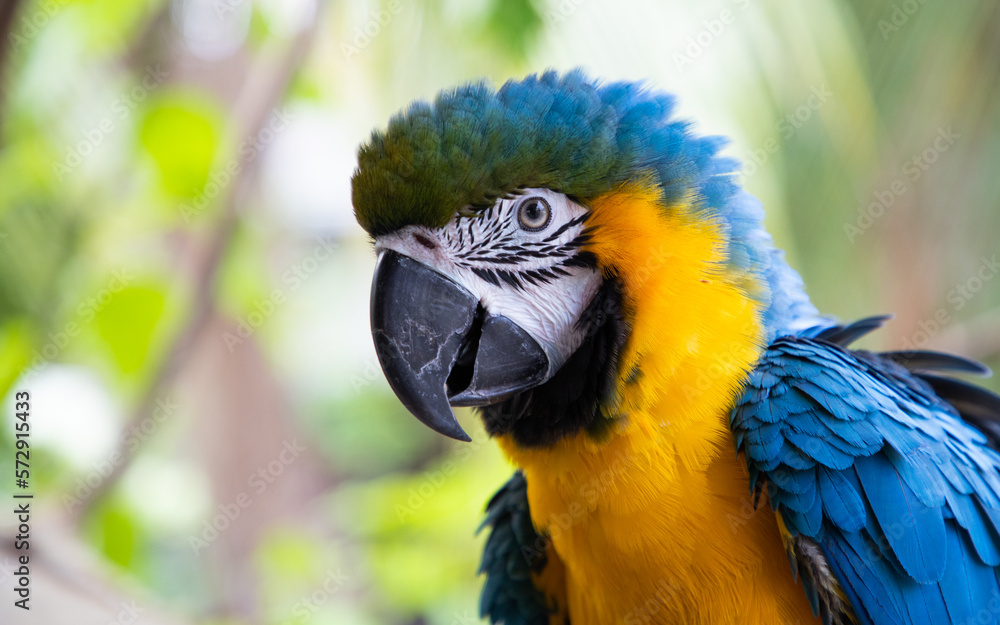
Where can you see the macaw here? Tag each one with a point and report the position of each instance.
(571, 259)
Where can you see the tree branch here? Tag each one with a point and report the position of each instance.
(8, 11)
(260, 95)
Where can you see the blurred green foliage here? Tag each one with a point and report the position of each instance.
(180, 133)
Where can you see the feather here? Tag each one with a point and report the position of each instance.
(908, 493)
(914, 531)
(865, 582)
(920, 475)
(845, 335)
(825, 453)
(922, 360)
(970, 401)
(509, 594)
(969, 586)
(841, 502)
(977, 525)
(793, 481)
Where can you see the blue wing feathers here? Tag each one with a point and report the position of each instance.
(920, 475)
(793, 481)
(862, 456)
(955, 479)
(864, 581)
(795, 458)
(991, 513)
(832, 453)
(968, 584)
(841, 503)
(914, 531)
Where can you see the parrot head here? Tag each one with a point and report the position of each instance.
(528, 238)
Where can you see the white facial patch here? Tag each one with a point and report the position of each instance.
(520, 266)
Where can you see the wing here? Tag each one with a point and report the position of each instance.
(525, 584)
(874, 474)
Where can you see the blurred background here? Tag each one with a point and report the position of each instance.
(184, 291)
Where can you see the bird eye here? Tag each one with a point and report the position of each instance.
(534, 214)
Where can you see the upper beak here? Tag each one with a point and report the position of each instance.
(438, 348)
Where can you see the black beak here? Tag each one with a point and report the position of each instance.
(438, 348)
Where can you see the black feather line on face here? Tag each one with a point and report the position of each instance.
(583, 259)
(486, 274)
(510, 278)
(496, 255)
(566, 226)
(543, 275)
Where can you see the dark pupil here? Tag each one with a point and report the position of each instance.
(531, 212)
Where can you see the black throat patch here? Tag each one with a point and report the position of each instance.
(579, 394)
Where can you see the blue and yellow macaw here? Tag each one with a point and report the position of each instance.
(571, 259)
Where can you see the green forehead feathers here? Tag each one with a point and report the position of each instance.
(474, 144)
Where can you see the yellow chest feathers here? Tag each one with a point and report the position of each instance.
(654, 523)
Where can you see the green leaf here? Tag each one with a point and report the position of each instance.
(15, 351)
(113, 530)
(514, 24)
(110, 25)
(181, 133)
(126, 324)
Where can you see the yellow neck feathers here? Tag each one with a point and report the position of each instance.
(694, 335)
(643, 518)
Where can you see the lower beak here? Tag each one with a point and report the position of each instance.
(438, 348)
